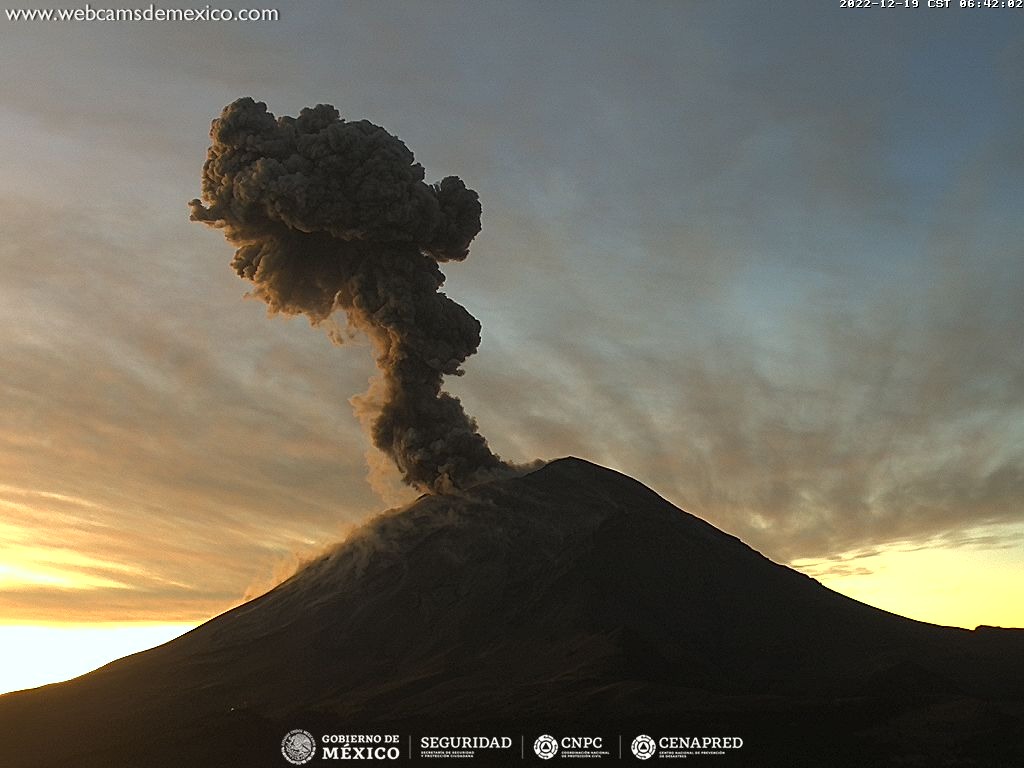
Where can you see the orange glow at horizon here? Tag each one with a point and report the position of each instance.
(939, 585)
(50, 654)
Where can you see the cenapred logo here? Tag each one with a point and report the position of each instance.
(644, 747)
(546, 747)
(298, 746)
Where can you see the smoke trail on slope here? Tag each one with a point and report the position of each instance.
(328, 214)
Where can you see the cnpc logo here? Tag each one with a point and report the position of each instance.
(548, 746)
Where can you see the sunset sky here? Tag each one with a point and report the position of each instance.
(764, 257)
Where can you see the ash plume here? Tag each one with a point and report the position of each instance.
(329, 214)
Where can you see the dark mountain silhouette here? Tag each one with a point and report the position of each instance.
(571, 597)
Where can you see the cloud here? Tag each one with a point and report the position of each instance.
(156, 444)
(770, 271)
(831, 426)
(328, 213)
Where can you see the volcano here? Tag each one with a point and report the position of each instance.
(572, 597)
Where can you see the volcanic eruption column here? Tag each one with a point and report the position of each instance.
(326, 214)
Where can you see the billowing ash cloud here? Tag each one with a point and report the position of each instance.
(330, 214)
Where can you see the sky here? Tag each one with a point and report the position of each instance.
(763, 257)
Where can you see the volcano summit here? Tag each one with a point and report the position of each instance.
(569, 597)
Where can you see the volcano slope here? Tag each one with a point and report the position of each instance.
(572, 597)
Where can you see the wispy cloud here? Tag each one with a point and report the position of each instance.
(772, 271)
